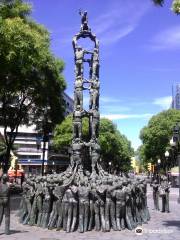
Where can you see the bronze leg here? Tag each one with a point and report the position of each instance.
(122, 217)
(97, 216)
(91, 215)
(53, 216)
(29, 217)
(112, 216)
(65, 212)
(103, 224)
(62, 214)
(7, 218)
(118, 210)
(86, 216)
(1, 213)
(81, 217)
(74, 217)
(107, 211)
(70, 209)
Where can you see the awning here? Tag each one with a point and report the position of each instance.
(14, 173)
(32, 161)
(174, 171)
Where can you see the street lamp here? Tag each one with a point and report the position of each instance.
(172, 143)
(159, 164)
(44, 124)
(175, 142)
(167, 161)
(109, 166)
(166, 154)
(43, 138)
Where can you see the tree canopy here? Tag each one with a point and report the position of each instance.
(175, 5)
(157, 134)
(115, 147)
(31, 77)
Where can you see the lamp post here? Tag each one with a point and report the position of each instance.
(166, 154)
(44, 139)
(167, 159)
(159, 163)
(175, 142)
(109, 166)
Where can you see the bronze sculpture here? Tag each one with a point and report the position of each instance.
(85, 196)
(46, 207)
(28, 196)
(94, 94)
(95, 63)
(37, 204)
(78, 114)
(84, 21)
(77, 147)
(120, 196)
(155, 187)
(164, 194)
(78, 93)
(110, 206)
(101, 201)
(79, 55)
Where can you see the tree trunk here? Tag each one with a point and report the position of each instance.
(7, 159)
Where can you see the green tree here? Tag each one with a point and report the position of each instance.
(175, 5)
(31, 77)
(156, 136)
(115, 147)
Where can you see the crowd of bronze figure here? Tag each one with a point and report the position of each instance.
(75, 199)
(161, 190)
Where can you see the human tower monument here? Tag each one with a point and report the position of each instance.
(91, 59)
(84, 197)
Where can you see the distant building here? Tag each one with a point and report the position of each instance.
(69, 103)
(29, 156)
(176, 97)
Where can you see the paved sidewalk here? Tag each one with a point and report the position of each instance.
(162, 226)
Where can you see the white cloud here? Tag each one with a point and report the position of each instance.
(115, 37)
(119, 21)
(163, 102)
(167, 39)
(126, 116)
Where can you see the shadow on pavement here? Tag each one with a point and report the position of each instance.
(14, 231)
(172, 223)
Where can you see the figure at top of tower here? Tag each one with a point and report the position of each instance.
(84, 21)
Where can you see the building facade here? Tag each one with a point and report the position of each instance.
(176, 96)
(69, 103)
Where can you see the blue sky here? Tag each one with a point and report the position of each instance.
(139, 54)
